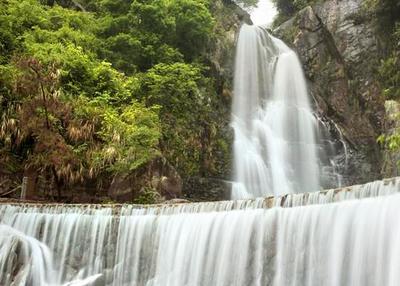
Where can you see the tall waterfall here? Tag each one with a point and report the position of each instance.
(275, 150)
(335, 238)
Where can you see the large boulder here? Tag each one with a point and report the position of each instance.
(159, 176)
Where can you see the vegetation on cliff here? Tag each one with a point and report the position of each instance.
(390, 74)
(288, 8)
(388, 15)
(96, 88)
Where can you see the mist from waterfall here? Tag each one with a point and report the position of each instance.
(275, 149)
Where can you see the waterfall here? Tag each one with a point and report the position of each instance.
(33, 258)
(336, 238)
(276, 151)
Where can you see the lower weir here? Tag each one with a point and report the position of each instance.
(347, 236)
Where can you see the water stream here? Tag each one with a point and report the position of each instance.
(275, 151)
(279, 142)
(347, 237)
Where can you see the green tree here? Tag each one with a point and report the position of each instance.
(187, 103)
(74, 140)
(130, 138)
(99, 87)
(37, 120)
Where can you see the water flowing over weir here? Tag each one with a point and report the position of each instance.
(276, 150)
(338, 237)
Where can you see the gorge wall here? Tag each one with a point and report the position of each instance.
(340, 48)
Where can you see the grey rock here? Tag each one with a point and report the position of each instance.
(339, 52)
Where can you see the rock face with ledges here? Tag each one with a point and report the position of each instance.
(339, 48)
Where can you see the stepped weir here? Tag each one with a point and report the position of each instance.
(337, 237)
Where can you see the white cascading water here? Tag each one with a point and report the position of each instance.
(333, 238)
(275, 150)
(347, 237)
(26, 261)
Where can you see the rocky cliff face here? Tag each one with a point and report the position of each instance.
(339, 48)
(220, 57)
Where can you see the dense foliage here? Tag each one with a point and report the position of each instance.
(102, 87)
